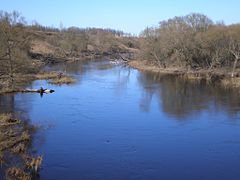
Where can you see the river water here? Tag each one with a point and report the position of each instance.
(119, 123)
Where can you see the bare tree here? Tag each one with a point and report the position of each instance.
(192, 41)
(234, 45)
(14, 45)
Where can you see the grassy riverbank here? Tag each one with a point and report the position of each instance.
(57, 78)
(62, 80)
(15, 139)
(20, 81)
(26, 48)
(222, 76)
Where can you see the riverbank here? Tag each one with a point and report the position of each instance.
(15, 140)
(221, 76)
(53, 77)
(21, 81)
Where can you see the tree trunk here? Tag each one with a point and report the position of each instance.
(160, 64)
(11, 73)
(234, 66)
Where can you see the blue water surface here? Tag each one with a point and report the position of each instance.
(118, 123)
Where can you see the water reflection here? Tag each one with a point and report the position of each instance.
(122, 80)
(176, 96)
(117, 123)
(7, 103)
(180, 97)
(80, 67)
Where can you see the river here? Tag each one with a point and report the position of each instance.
(119, 123)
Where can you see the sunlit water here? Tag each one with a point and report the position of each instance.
(119, 123)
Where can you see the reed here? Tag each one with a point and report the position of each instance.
(17, 174)
(47, 75)
(62, 80)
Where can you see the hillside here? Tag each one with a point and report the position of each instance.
(76, 44)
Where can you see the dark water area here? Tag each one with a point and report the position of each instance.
(119, 123)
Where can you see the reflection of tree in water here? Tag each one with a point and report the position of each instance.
(180, 97)
(151, 87)
(146, 99)
(7, 103)
(72, 68)
(122, 80)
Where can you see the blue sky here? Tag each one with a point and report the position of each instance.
(127, 15)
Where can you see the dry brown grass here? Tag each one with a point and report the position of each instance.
(42, 47)
(34, 163)
(19, 148)
(5, 90)
(62, 80)
(146, 66)
(53, 77)
(5, 117)
(7, 120)
(231, 82)
(15, 139)
(56, 78)
(15, 173)
(47, 75)
(193, 77)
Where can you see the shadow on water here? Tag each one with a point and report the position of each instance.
(180, 97)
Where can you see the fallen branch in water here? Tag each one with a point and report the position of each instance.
(41, 91)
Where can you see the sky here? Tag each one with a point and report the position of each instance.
(131, 16)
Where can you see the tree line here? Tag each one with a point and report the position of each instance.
(17, 40)
(193, 41)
